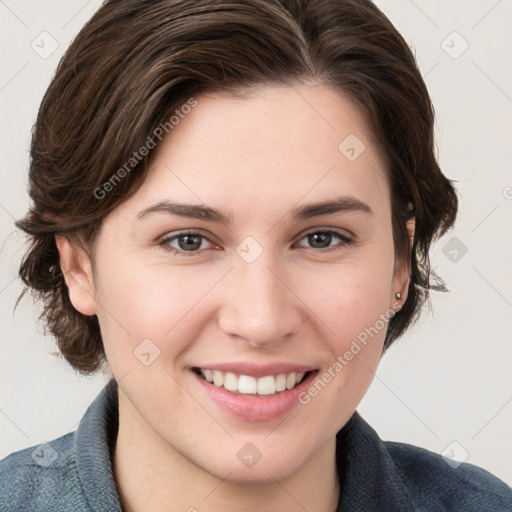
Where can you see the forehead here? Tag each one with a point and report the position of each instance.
(271, 147)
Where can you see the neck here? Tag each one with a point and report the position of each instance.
(152, 476)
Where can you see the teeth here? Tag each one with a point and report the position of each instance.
(281, 382)
(218, 378)
(230, 381)
(245, 384)
(266, 385)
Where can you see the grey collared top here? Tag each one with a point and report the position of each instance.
(73, 473)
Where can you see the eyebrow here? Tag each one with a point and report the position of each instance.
(203, 212)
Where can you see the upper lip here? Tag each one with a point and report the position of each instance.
(254, 370)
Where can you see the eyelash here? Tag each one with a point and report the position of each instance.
(178, 252)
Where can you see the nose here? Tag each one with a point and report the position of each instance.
(258, 303)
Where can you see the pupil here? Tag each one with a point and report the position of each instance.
(192, 242)
(316, 238)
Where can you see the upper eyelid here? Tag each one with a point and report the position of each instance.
(177, 234)
(338, 231)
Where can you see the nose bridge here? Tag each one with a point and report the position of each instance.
(257, 305)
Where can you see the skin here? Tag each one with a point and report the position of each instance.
(296, 302)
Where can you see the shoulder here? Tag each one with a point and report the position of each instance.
(448, 485)
(42, 478)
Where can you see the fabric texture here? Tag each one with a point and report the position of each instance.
(73, 473)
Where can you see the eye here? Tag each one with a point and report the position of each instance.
(190, 243)
(187, 242)
(322, 238)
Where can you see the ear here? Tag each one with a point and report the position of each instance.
(77, 269)
(411, 223)
(402, 275)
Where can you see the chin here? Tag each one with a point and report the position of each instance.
(251, 466)
(257, 475)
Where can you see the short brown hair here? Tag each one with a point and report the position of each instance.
(135, 62)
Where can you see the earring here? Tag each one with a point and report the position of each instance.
(398, 295)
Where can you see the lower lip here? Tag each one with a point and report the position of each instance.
(252, 407)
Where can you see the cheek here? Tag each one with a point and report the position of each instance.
(352, 304)
(350, 297)
(155, 302)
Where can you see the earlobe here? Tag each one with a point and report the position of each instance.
(77, 270)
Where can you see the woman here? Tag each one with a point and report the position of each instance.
(233, 205)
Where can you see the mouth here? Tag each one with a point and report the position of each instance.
(263, 386)
(254, 393)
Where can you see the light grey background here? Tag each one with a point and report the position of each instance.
(445, 386)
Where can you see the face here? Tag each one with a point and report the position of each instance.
(259, 284)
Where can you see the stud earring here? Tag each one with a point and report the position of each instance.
(398, 295)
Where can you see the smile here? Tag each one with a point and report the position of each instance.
(249, 385)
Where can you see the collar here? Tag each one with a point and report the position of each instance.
(94, 439)
(369, 478)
